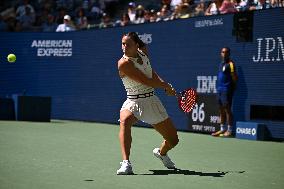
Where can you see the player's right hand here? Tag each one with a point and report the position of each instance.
(170, 91)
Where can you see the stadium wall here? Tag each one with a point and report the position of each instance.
(79, 69)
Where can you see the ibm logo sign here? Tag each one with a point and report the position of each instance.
(206, 84)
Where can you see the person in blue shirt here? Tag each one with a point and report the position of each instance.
(226, 85)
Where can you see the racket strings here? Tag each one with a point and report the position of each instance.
(187, 100)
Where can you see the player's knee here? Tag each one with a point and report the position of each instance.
(126, 121)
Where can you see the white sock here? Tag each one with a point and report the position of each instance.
(229, 128)
(222, 127)
(126, 161)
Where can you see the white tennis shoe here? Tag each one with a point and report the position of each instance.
(125, 169)
(165, 159)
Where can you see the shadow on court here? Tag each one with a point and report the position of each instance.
(188, 172)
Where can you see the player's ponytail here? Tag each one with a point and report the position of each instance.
(136, 39)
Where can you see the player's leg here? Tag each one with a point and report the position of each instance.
(167, 129)
(169, 133)
(127, 119)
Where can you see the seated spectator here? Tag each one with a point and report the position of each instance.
(27, 20)
(164, 14)
(166, 3)
(153, 16)
(81, 19)
(260, 4)
(124, 21)
(184, 10)
(106, 21)
(241, 5)
(95, 12)
(66, 26)
(131, 10)
(227, 7)
(275, 3)
(147, 16)
(212, 9)
(49, 25)
(139, 16)
(21, 10)
(175, 3)
(200, 9)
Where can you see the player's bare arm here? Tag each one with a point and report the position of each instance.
(170, 90)
(126, 67)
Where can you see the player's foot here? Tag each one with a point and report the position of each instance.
(227, 134)
(165, 159)
(218, 133)
(125, 169)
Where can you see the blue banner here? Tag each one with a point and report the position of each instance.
(79, 69)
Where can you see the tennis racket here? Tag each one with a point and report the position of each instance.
(187, 99)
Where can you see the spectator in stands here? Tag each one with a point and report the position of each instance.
(175, 3)
(139, 15)
(166, 3)
(212, 9)
(21, 10)
(176, 13)
(226, 85)
(49, 25)
(164, 14)
(260, 4)
(81, 19)
(280, 3)
(131, 11)
(66, 26)
(106, 21)
(147, 16)
(184, 10)
(228, 6)
(95, 12)
(200, 9)
(124, 21)
(241, 5)
(153, 15)
(27, 19)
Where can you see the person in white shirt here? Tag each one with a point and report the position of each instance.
(66, 26)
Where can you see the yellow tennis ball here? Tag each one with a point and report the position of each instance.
(11, 58)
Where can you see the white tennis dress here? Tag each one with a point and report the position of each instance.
(141, 100)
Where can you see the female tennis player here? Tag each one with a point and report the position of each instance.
(142, 104)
